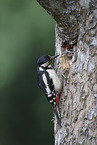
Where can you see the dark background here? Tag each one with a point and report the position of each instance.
(26, 33)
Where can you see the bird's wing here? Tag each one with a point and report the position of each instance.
(46, 84)
(40, 81)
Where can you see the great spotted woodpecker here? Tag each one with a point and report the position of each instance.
(68, 49)
(49, 82)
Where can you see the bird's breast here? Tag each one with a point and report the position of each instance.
(55, 78)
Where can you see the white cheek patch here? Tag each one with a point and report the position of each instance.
(45, 64)
(46, 84)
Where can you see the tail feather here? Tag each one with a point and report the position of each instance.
(56, 111)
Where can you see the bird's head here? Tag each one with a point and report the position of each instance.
(45, 60)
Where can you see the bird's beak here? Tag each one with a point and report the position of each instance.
(53, 57)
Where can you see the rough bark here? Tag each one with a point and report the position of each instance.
(78, 103)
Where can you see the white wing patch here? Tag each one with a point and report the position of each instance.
(41, 69)
(47, 86)
(51, 101)
(50, 95)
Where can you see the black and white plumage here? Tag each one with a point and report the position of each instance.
(49, 82)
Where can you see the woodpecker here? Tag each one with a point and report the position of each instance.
(68, 49)
(49, 82)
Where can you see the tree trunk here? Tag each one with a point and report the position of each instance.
(76, 24)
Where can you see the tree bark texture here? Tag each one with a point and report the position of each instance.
(76, 23)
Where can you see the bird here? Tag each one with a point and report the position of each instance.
(68, 49)
(49, 82)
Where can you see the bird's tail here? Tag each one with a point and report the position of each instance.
(56, 112)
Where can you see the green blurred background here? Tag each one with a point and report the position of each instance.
(26, 33)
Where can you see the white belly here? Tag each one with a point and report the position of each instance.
(56, 80)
